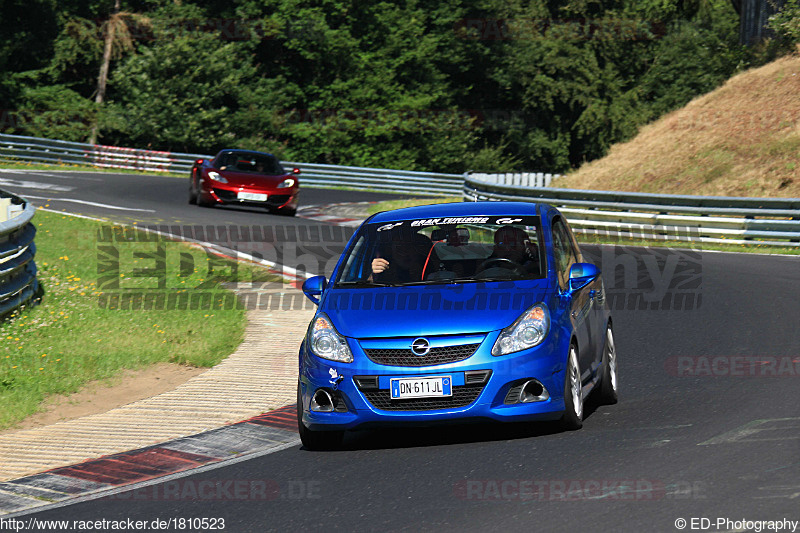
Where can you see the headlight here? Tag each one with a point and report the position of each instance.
(527, 331)
(216, 177)
(325, 341)
(285, 184)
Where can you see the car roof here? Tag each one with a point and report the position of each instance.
(241, 151)
(460, 209)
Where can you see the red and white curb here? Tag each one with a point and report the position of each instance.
(96, 478)
(347, 214)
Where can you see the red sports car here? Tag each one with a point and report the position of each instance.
(243, 177)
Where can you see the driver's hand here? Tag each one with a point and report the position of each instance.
(379, 264)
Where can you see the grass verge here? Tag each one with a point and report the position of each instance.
(388, 205)
(72, 338)
(22, 165)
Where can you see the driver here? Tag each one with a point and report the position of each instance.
(512, 243)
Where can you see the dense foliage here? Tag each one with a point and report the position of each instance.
(425, 84)
(786, 25)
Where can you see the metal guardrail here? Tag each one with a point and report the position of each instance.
(711, 219)
(21, 148)
(732, 220)
(18, 283)
(520, 179)
(386, 180)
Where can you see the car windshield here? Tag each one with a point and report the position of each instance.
(250, 162)
(444, 250)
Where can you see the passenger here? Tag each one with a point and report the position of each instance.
(404, 257)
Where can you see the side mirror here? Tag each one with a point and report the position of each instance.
(313, 287)
(582, 274)
(199, 162)
(295, 171)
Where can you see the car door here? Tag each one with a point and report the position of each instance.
(596, 315)
(577, 303)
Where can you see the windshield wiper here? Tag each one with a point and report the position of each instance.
(497, 279)
(437, 281)
(364, 284)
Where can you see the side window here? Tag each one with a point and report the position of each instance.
(563, 251)
(356, 265)
(575, 248)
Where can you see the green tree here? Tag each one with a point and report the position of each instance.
(426, 85)
(53, 112)
(116, 38)
(182, 91)
(30, 26)
(786, 25)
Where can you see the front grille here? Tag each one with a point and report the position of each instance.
(405, 357)
(366, 382)
(277, 199)
(462, 397)
(225, 195)
(476, 377)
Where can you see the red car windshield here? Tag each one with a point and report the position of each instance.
(250, 162)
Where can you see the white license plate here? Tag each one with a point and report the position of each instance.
(431, 387)
(256, 197)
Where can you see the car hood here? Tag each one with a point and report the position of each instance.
(430, 309)
(248, 179)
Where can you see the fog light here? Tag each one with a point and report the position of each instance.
(533, 391)
(322, 401)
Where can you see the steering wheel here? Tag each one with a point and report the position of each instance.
(502, 262)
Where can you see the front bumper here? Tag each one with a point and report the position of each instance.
(222, 193)
(365, 406)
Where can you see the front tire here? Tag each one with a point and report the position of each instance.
(572, 418)
(192, 193)
(608, 385)
(203, 203)
(316, 440)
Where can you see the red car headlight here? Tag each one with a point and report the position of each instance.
(217, 177)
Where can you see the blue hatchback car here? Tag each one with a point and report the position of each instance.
(455, 312)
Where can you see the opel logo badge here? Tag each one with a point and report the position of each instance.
(421, 346)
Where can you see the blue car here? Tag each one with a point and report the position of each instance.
(453, 313)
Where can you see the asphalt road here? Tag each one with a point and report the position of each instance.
(150, 198)
(162, 203)
(708, 423)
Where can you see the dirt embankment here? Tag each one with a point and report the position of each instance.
(742, 139)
